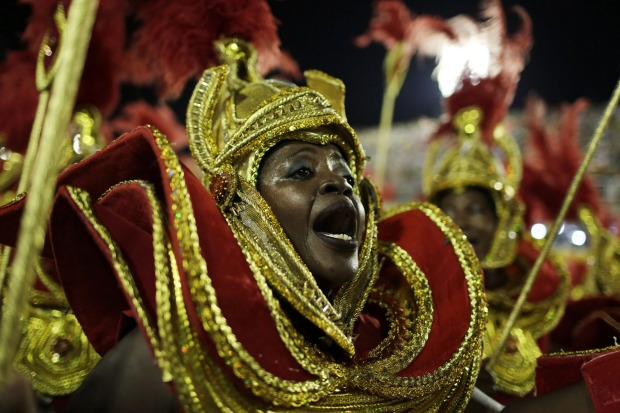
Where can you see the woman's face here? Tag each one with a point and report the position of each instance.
(473, 211)
(310, 191)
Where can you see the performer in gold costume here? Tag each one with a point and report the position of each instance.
(478, 191)
(275, 284)
(473, 172)
(553, 155)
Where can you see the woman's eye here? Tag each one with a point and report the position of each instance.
(477, 209)
(301, 173)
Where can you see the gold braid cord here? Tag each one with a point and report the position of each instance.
(371, 386)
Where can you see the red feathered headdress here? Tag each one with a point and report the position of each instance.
(174, 39)
(100, 85)
(482, 65)
(393, 24)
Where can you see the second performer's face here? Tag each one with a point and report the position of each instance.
(473, 211)
(310, 191)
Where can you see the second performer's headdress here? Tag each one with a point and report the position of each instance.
(478, 73)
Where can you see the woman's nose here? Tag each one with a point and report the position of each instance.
(336, 184)
(461, 220)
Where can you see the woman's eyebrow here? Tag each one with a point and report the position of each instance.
(336, 156)
(309, 149)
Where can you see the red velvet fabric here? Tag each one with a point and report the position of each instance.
(599, 370)
(548, 279)
(237, 292)
(603, 381)
(100, 303)
(558, 371)
(427, 245)
(10, 220)
(589, 323)
(87, 274)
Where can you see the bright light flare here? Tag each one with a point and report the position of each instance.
(472, 58)
(538, 231)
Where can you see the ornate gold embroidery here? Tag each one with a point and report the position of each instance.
(54, 354)
(462, 368)
(469, 161)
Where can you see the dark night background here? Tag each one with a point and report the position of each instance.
(576, 51)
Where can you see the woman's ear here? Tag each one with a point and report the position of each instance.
(370, 196)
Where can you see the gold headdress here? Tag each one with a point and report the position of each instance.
(471, 162)
(234, 118)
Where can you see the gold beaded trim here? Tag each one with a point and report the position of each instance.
(261, 382)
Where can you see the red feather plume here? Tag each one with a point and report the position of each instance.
(394, 23)
(552, 157)
(174, 39)
(172, 43)
(141, 113)
(18, 100)
(100, 84)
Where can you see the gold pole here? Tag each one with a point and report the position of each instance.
(531, 277)
(43, 81)
(45, 170)
(395, 67)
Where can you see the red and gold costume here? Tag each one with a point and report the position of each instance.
(586, 333)
(478, 69)
(233, 316)
(470, 163)
(54, 353)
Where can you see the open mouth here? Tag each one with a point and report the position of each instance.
(336, 225)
